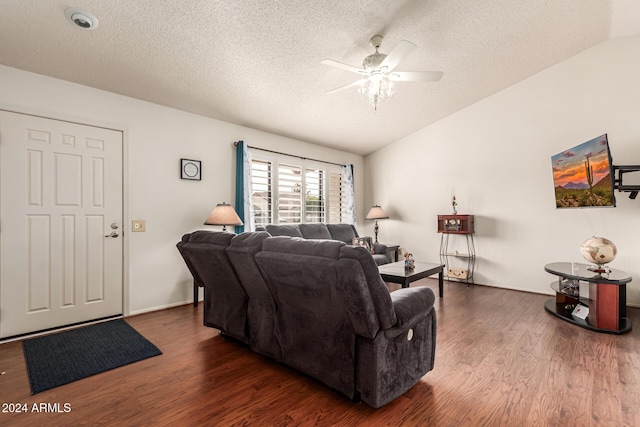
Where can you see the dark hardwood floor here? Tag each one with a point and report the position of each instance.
(501, 361)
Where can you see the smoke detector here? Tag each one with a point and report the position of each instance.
(81, 18)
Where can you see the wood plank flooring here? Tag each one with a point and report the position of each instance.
(501, 361)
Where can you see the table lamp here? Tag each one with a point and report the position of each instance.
(223, 214)
(376, 212)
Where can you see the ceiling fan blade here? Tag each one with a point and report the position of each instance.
(416, 76)
(392, 60)
(343, 66)
(350, 85)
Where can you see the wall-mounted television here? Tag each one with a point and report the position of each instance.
(583, 176)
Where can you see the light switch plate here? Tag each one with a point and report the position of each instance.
(138, 225)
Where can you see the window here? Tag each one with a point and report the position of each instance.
(292, 191)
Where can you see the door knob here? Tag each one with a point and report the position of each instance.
(113, 234)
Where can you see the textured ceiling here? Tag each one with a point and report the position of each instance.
(256, 63)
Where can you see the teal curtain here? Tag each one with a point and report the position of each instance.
(240, 178)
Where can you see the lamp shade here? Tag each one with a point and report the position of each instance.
(376, 212)
(223, 214)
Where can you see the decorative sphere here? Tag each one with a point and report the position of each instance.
(598, 250)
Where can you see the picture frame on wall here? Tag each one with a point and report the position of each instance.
(191, 169)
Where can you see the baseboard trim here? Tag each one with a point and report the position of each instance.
(158, 308)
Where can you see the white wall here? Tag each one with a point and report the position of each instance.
(496, 157)
(156, 137)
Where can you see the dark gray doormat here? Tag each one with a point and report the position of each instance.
(64, 357)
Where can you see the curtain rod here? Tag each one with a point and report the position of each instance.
(286, 154)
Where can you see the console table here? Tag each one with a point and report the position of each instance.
(463, 225)
(606, 300)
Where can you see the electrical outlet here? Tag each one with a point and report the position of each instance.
(138, 225)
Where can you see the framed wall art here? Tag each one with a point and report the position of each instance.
(191, 169)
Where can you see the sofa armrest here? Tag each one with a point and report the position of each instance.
(410, 305)
(379, 248)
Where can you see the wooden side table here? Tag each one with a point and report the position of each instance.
(607, 300)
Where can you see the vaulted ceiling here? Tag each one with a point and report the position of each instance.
(256, 63)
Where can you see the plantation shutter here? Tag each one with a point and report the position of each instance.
(336, 200)
(314, 195)
(289, 194)
(261, 185)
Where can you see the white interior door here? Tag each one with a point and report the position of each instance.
(60, 223)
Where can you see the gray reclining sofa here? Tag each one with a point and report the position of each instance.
(319, 306)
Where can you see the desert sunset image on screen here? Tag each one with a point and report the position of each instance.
(582, 175)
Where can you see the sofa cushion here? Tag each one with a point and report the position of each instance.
(354, 290)
(411, 304)
(261, 311)
(314, 231)
(283, 230)
(315, 332)
(205, 236)
(320, 248)
(225, 302)
(381, 259)
(343, 232)
(377, 288)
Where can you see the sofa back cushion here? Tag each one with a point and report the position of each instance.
(316, 334)
(343, 232)
(287, 245)
(226, 301)
(263, 334)
(314, 231)
(241, 253)
(376, 289)
(283, 230)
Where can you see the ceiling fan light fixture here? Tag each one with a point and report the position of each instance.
(377, 72)
(373, 61)
(376, 76)
(378, 90)
(362, 87)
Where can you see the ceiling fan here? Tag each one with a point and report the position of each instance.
(378, 73)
